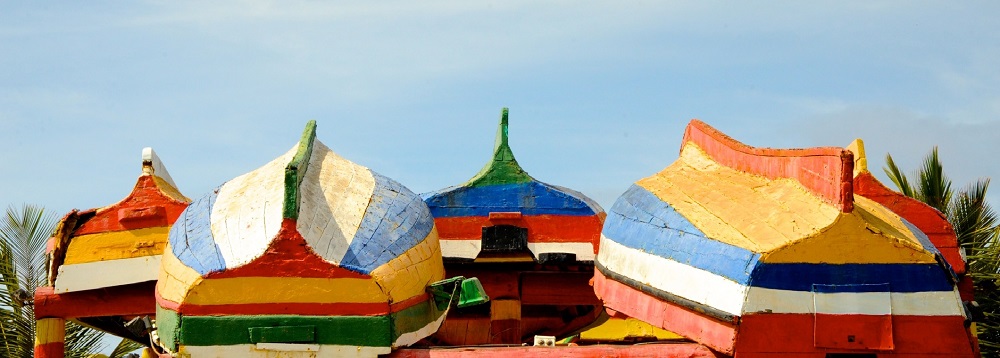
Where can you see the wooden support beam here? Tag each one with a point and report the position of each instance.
(131, 300)
(558, 288)
(505, 321)
(50, 337)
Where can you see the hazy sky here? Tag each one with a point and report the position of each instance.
(599, 92)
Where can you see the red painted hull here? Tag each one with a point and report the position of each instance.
(718, 335)
(687, 350)
(794, 335)
(768, 334)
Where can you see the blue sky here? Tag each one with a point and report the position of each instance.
(599, 92)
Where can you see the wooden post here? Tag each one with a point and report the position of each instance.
(505, 321)
(50, 337)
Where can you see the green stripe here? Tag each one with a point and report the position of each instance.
(296, 170)
(283, 334)
(503, 169)
(414, 318)
(334, 330)
(167, 322)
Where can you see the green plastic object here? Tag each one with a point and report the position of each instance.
(443, 292)
(469, 292)
(472, 293)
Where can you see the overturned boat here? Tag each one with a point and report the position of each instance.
(763, 252)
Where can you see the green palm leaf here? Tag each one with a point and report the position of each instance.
(976, 226)
(24, 232)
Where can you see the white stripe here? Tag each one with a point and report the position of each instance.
(932, 303)
(584, 250)
(469, 249)
(251, 351)
(410, 338)
(100, 274)
(465, 249)
(247, 214)
(674, 277)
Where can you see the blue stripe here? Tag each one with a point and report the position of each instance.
(531, 198)
(642, 221)
(852, 277)
(191, 239)
(396, 220)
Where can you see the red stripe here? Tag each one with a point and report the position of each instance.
(289, 255)
(541, 228)
(127, 300)
(799, 333)
(702, 329)
(672, 349)
(50, 350)
(145, 195)
(310, 309)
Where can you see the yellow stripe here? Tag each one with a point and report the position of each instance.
(243, 290)
(738, 208)
(175, 277)
(116, 245)
(405, 276)
(409, 274)
(870, 234)
(169, 190)
(618, 329)
(50, 330)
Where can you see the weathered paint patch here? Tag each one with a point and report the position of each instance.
(191, 239)
(395, 221)
(337, 330)
(116, 245)
(95, 274)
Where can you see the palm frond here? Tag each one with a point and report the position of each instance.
(125, 347)
(82, 342)
(934, 186)
(897, 177)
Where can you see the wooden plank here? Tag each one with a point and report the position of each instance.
(101, 274)
(557, 288)
(130, 300)
(505, 321)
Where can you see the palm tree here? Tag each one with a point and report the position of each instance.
(975, 224)
(23, 234)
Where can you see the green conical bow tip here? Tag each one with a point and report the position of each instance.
(503, 169)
